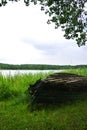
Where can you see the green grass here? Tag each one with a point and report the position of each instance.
(15, 112)
(14, 86)
(79, 71)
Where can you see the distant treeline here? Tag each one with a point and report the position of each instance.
(38, 66)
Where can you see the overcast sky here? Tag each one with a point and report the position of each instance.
(25, 38)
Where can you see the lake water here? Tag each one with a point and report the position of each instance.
(13, 72)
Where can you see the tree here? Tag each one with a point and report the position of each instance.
(70, 15)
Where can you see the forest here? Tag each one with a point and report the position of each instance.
(38, 66)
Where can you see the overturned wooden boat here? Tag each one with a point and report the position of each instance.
(59, 87)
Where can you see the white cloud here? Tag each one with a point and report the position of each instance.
(26, 38)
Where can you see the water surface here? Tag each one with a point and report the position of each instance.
(13, 72)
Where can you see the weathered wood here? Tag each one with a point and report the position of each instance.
(58, 87)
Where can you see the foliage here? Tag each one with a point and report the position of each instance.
(38, 66)
(71, 15)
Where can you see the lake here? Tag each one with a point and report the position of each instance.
(13, 72)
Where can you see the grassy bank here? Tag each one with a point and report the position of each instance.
(15, 113)
(78, 71)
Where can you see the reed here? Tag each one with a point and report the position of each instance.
(13, 86)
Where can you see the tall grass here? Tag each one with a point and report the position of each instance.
(79, 71)
(11, 86)
(15, 113)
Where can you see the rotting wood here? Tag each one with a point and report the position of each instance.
(58, 87)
